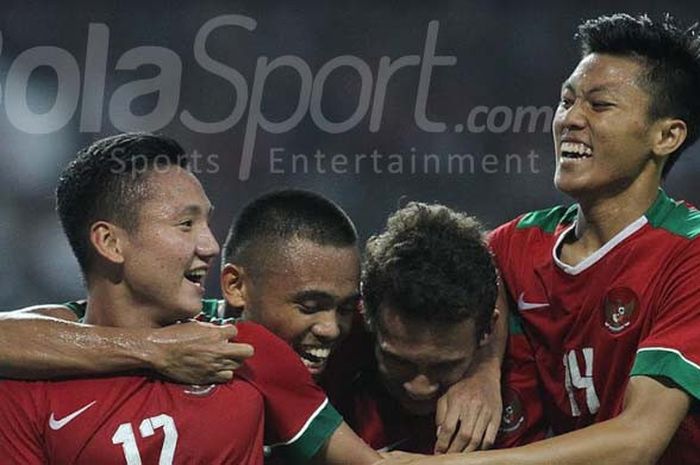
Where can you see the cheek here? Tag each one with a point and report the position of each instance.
(284, 321)
(557, 123)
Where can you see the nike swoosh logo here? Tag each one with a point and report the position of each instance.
(522, 305)
(58, 424)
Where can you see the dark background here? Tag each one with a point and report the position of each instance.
(509, 54)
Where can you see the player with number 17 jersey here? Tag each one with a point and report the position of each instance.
(137, 420)
(630, 309)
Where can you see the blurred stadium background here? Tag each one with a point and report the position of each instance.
(509, 55)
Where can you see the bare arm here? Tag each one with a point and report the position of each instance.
(469, 414)
(639, 435)
(47, 342)
(344, 447)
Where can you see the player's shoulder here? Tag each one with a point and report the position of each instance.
(548, 219)
(676, 217)
(544, 222)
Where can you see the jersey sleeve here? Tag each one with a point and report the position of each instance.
(298, 417)
(20, 424)
(672, 347)
(523, 419)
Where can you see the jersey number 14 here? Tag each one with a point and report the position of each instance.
(574, 379)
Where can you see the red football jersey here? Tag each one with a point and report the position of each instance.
(356, 390)
(632, 308)
(139, 420)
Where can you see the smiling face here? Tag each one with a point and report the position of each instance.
(602, 132)
(306, 294)
(167, 255)
(419, 361)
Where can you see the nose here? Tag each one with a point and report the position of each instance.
(570, 118)
(421, 387)
(207, 246)
(327, 325)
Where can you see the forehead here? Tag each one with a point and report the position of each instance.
(169, 190)
(421, 341)
(300, 265)
(603, 72)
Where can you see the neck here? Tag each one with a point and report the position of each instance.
(600, 219)
(110, 304)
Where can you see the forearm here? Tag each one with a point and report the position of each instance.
(614, 442)
(490, 356)
(35, 347)
(639, 435)
(344, 447)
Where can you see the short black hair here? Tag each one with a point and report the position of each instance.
(671, 55)
(106, 181)
(285, 215)
(431, 263)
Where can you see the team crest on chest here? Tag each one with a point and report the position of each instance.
(513, 413)
(621, 306)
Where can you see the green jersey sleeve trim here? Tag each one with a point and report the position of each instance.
(661, 361)
(675, 217)
(515, 324)
(315, 433)
(547, 220)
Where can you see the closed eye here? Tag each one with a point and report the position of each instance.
(186, 225)
(601, 105)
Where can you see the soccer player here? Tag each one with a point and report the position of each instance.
(607, 289)
(137, 221)
(429, 288)
(291, 263)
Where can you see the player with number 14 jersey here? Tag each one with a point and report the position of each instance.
(629, 309)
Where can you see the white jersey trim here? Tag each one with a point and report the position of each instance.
(303, 429)
(596, 256)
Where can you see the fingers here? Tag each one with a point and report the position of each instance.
(239, 351)
(225, 375)
(441, 410)
(227, 332)
(471, 431)
(447, 428)
(491, 432)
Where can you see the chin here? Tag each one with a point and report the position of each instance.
(188, 310)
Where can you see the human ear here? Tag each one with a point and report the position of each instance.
(233, 286)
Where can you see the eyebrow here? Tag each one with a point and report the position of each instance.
(196, 210)
(567, 85)
(401, 359)
(322, 296)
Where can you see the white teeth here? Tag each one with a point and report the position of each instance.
(196, 276)
(576, 147)
(320, 352)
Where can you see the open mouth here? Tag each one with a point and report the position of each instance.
(314, 356)
(196, 276)
(575, 151)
